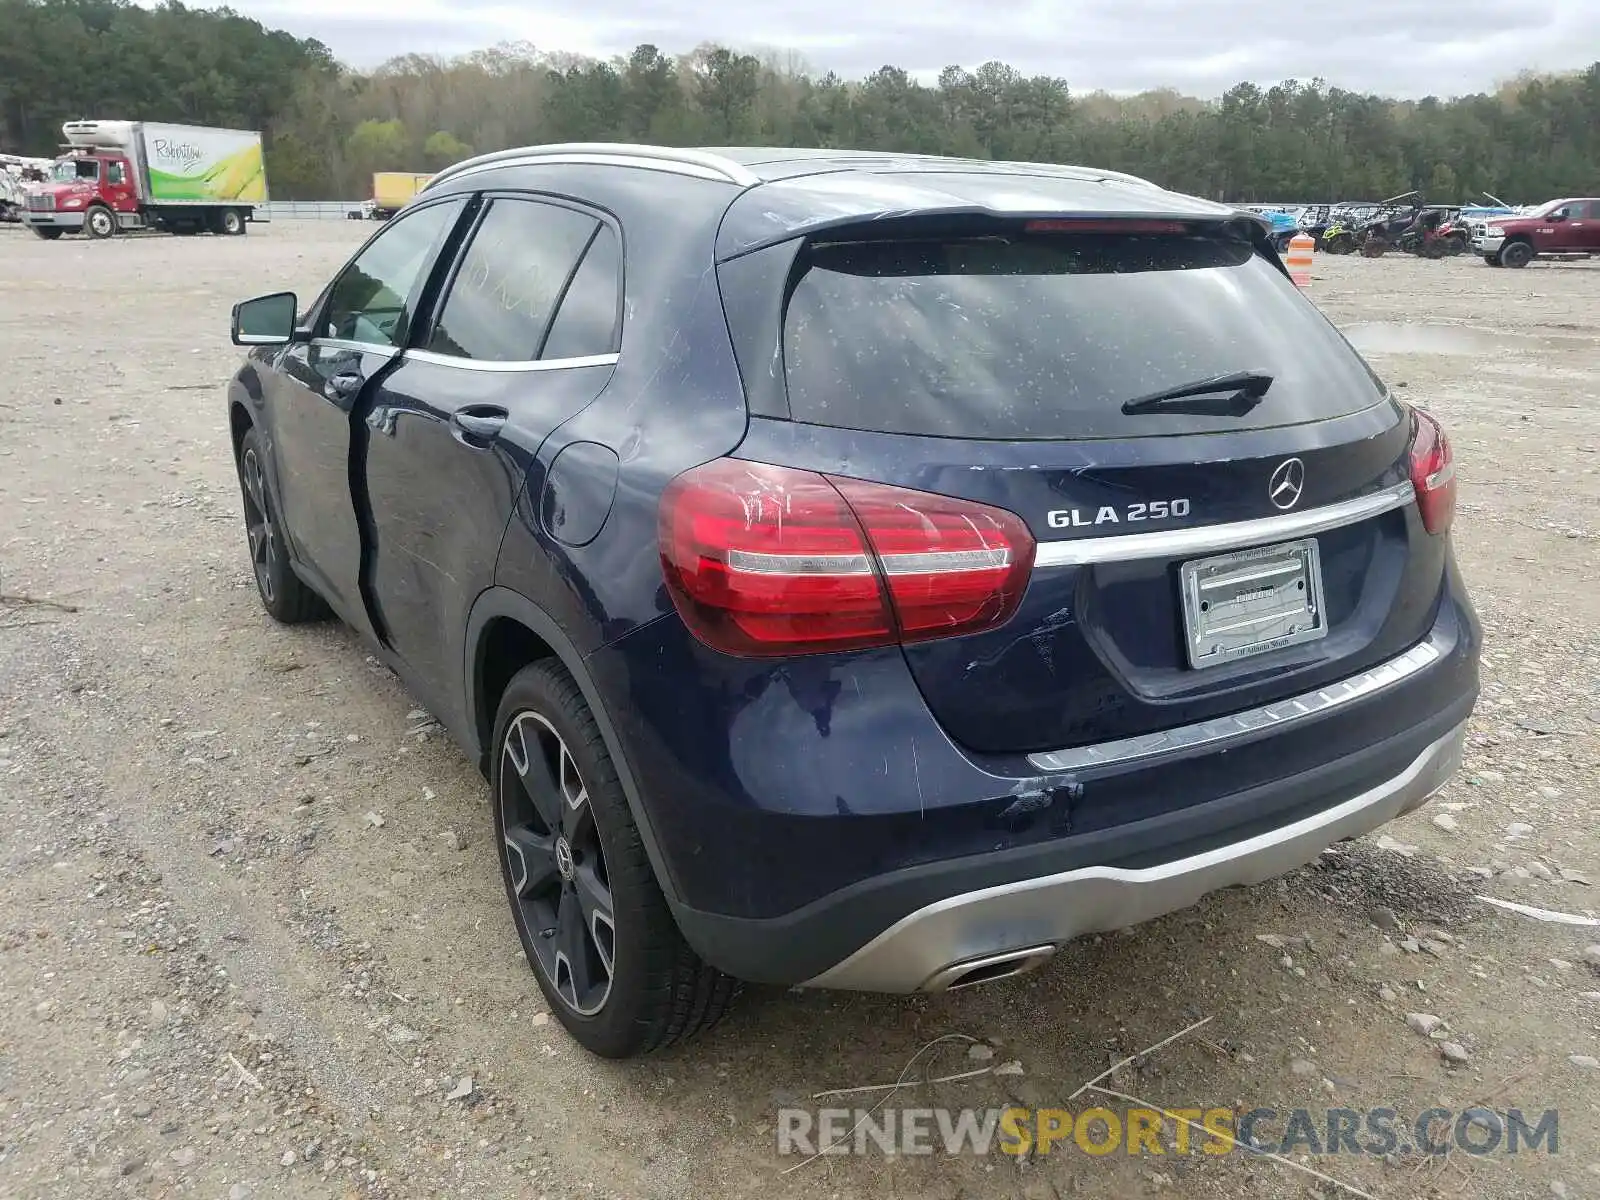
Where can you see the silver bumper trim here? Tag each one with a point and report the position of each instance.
(1245, 725)
(53, 220)
(923, 949)
(1233, 535)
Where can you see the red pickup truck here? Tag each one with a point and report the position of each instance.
(1561, 229)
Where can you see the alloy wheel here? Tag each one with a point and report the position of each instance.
(556, 868)
(258, 523)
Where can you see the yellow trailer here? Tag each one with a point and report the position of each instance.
(392, 189)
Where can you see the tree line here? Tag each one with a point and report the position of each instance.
(328, 127)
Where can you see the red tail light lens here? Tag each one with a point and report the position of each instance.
(1433, 472)
(764, 560)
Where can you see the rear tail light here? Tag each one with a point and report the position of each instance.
(764, 560)
(1433, 472)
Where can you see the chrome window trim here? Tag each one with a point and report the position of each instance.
(702, 164)
(326, 343)
(1243, 725)
(543, 364)
(1234, 535)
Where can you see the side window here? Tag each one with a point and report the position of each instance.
(369, 302)
(513, 274)
(114, 174)
(587, 321)
(1594, 210)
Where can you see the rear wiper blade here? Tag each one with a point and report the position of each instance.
(1220, 395)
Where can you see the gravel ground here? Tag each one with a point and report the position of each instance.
(253, 940)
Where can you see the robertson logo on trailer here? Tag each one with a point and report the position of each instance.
(185, 154)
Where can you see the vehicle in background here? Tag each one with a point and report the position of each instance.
(18, 176)
(1455, 233)
(1342, 232)
(392, 190)
(1284, 223)
(1562, 229)
(122, 175)
(1394, 217)
(858, 570)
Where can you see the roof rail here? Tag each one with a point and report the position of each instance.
(696, 162)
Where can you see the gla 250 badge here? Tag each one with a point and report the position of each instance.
(1153, 510)
(1284, 489)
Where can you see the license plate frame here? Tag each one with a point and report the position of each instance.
(1250, 602)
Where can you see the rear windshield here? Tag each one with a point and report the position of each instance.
(1045, 335)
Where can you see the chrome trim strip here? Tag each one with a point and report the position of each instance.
(920, 949)
(1237, 726)
(361, 347)
(545, 364)
(701, 163)
(1235, 535)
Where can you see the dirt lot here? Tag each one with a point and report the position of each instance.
(219, 977)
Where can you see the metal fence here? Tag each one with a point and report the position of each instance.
(310, 210)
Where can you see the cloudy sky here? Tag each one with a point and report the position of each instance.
(1397, 47)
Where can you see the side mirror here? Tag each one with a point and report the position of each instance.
(265, 321)
(1556, 218)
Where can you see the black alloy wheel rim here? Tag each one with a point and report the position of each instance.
(555, 867)
(258, 523)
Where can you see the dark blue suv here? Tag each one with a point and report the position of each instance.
(858, 570)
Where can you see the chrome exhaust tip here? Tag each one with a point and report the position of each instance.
(973, 971)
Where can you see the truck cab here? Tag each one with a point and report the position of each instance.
(1562, 229)
(85, 191)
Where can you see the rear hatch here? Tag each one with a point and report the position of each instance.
(994, 360)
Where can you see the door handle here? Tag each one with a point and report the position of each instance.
(343, 386)
(482, 421)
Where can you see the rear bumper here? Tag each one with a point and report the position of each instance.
(53, 220)
(936, 946)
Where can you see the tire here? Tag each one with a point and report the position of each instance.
(285, 597)
(1492, 259)
(99, 222)
(594, 925)
(1516, 254)
(46, 233)
(1454, 245)
(231, 223)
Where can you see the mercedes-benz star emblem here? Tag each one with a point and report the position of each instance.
(564, 863)
(1286, 484)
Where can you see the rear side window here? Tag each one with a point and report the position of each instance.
(586, 323)
(510, 280)
(1024, 335)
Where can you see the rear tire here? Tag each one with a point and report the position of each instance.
(231, 223)
(285, 597)
(594, 925)
(1516, 254)
(1492, 259)
(99, 222)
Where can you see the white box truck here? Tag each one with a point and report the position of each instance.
(119, 175)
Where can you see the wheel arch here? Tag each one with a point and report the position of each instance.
(506, 632)
(239, 424)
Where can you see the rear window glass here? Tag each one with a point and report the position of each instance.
(1023, 336)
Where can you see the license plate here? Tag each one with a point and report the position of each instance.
(1247, 603)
